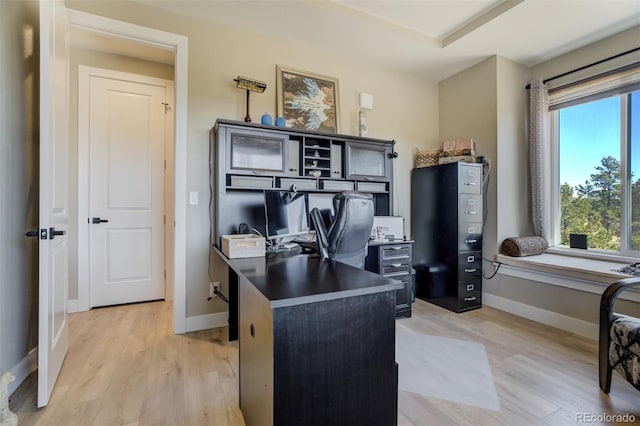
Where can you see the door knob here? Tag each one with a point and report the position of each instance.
(53, 233)
(98, 220)
(33, 234)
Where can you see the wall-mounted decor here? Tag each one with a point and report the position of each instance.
(307, 101)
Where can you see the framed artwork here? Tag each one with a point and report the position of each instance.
(307, 101)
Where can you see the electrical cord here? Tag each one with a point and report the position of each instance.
(216, 291)
(494, 272)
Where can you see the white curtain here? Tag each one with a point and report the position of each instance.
(540, 158)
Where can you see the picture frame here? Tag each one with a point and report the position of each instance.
(307, 101)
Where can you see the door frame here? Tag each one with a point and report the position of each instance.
(85, 73)
(179, 44)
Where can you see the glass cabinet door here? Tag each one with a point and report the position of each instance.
(253, 152)
(367, 161)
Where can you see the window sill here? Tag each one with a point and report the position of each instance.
(564, 270)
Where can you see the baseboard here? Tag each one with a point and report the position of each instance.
(72, 306)
(203, 322)
(563, 322)
(21, 370)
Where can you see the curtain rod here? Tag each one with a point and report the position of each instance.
(610, 58)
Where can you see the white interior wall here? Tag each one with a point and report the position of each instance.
(405, 109)
(19, 118)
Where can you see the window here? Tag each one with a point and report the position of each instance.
(597, 140)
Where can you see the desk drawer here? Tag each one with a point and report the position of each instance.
(404, 294)
(251, 182)
(395, 251)
(303, 184)
(395, 269)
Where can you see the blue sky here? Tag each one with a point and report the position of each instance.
(591, 131)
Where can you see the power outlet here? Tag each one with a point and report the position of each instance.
(213, 288)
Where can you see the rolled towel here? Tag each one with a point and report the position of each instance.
(524, 246)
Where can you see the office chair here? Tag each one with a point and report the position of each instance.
(346, 238)
(619, 345)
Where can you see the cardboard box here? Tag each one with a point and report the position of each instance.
(243, 245)
(456, 147)
(457, 158)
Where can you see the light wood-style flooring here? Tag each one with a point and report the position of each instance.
(126, 367)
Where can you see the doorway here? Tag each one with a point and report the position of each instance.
(178, 45)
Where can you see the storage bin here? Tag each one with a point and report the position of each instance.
(427, 158)
(243, 245)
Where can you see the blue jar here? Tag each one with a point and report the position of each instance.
(280, 122)
(266, 119)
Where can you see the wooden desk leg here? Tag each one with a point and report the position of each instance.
(233, 305)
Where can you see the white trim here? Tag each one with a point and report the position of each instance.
(535, 273)
(22, 369)
(573, 325)
(72, 306)
(85, 73)
(204, 322)
(179, 44)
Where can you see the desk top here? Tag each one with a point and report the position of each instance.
(303, 279)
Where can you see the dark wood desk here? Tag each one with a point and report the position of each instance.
(317, 342)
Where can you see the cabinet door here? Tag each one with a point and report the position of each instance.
(368, 161)
(293, 164)
(256, 152)
(336, 161)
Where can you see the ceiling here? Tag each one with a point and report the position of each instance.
(430, 38)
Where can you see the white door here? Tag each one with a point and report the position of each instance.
(54, 191)
(126, 191)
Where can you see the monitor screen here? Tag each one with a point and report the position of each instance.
(286, 213)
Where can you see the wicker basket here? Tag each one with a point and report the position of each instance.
(427, 158)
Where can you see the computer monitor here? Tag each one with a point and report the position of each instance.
(286, 214)
(324, 203)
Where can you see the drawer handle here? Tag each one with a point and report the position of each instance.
(293, 170)
(396, 265)
(470, 241)
(470, 183)
(256, 172)
(470, 212)
(470, 270)
(471, 287)
(469, 299)
(394, 248)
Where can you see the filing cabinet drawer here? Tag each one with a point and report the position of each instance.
(468, 287)
(470, 300)
(470, 236)
(469, 178)
(470, 265)
(395, 269)
(396, 251)
(470, 208)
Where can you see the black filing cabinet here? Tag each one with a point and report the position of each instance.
(447, 220)
(392, 259)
